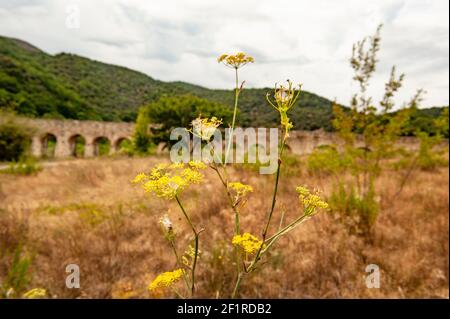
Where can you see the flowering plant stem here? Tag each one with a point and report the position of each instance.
(272, 240)
(196, 235)
(230, 142)
(177, 293)
(224, 181)
(224, 178)
(179, 263)
(236, 102)
(266, 228)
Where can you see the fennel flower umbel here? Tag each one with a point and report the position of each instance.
(235, 61)
(284, 98)
(249, 243)
(205, 128)
(166, 279)
(168, 181)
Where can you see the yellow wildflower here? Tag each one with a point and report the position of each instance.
(309, 200)
(166, 186)
(191, 251)
(235, 61)
(139, 178)
(166, 279)
(157, 171)
(176, 165)
(189, 256)
(185, 261)
(240, 190)
(303, 191)
(315, 201)
(167, 181)
(197, 165)
(248, 242)
(284, 98)
(35, 293)
(204, 127)
(192, 176)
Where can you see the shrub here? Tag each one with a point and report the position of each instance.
(15, 137)
(18, 276)
(358, 212)
(326, 160)
(428, 158)
(369, 133)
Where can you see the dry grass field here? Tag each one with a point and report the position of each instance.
(87, 212)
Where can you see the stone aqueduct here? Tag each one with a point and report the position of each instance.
(65, 132)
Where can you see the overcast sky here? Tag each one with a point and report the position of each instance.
(306, 41)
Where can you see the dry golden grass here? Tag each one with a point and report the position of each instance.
(87, 212)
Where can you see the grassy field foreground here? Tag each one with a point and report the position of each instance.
(87, 212)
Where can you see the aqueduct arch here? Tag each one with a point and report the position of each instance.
(48, 143)
(117, 145)
(77, 144)
(102, 146)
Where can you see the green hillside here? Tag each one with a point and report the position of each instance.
(37, 84)
(68, 86)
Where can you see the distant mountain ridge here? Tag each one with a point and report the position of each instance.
(65, 85)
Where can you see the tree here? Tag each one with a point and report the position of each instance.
(15, 137)
(141, 139)
(170, 112)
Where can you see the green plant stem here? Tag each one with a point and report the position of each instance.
(273, 239)
(275, 192)
(266, 228)
(286, 228)
(236, 101)
(172, 244)
(224, 181)
(178, 294)
(194, 263)
(237, 285)
(237, 229)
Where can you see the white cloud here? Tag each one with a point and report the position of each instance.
(307, 41)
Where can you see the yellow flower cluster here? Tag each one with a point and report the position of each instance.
(167, 181)
(240, 189)
(204, 127)
(310, 201)
(35, 293)
(189, 256)
(197, 165)
(236, 60)
(139, 178)
(248, 242)
(166, 279)
(284, 98)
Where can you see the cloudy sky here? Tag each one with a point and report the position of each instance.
(306, 41)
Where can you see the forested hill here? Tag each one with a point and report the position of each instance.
(69, 86)
(37, 84)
